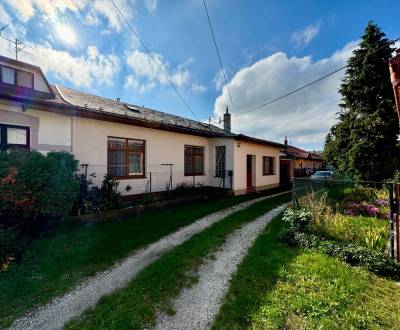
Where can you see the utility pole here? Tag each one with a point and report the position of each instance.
(16, 42)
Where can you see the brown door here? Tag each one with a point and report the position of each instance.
(249, 171)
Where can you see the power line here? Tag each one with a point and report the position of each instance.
(153, 59)
(305, 86)
(219, 58)
(217, 50)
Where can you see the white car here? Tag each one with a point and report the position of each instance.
(322, 175)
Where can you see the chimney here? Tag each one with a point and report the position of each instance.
(286, 143)
(227, 120)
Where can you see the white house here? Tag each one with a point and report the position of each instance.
(144, 149)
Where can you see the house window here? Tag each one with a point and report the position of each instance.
(8, 75)
(17, 77)
(268, 165)
(194, 160)
(220, 154)
(126, 158)
(25, 79)
(13, 136)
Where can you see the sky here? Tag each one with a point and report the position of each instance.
(267, 48)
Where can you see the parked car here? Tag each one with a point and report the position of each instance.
(322, 175)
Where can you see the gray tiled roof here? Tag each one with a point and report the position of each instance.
(111, 106)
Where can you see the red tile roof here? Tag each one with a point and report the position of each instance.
(303, 154)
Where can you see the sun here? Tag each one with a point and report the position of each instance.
(66, 34)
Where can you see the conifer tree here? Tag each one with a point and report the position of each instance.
(365, 139)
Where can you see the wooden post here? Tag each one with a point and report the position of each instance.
(391, 198)
(397, 210)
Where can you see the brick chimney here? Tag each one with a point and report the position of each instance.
(227, 120)
(394, 68)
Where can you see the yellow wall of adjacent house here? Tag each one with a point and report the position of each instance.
(306, 163)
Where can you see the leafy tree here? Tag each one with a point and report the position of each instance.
(365, 139)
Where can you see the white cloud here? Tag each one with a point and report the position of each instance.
(305, 117)
(92, 10)
(26, 9)
(219, 80)
(90, 69)
(198, 88)
(151, 5)
(146, 75)
(302, 38)
(107, 10)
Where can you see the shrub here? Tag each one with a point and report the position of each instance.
(373, 261)
(36, 187)
(297, 220)
(11, 246)
(94, 199)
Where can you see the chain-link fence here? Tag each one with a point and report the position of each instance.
(156, 178)
(355, 198)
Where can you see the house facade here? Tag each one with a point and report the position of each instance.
(145, 150)
(300, 162)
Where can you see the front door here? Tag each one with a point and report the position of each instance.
(249, 171)
(284, 172)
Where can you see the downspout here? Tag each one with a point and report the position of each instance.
(394, 68)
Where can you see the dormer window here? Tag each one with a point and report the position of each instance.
(8, 75)
(24, 79)
(16, 77)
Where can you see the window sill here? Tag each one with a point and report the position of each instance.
(268, 174)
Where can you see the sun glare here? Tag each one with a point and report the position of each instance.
(66, 34)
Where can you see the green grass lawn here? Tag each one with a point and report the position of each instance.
(58, 262)
(277, 287)
(136, 306)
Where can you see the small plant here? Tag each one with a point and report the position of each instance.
(297, 220)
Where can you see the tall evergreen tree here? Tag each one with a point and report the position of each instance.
(365, 139)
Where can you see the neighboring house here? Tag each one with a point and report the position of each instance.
(144, 149)
(300, 162)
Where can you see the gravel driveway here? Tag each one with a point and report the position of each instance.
(197, 306)
(55, 314)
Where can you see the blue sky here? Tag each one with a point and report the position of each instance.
(267, 47)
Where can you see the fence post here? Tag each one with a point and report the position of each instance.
(392, 207)
(150, 182)
(397, 211)
(293, 192)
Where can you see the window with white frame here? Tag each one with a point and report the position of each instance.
(13, 136)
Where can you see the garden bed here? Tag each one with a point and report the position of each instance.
(283, 287)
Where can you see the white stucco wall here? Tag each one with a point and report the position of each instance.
(162, 147)
(48, 131)
(241, 150)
